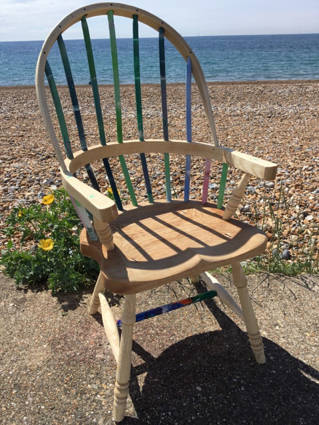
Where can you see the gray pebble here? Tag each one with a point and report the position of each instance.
(285, 255)
(270, 184)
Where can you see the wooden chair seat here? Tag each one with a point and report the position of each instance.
(158, 243)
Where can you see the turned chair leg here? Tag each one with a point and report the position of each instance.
(94, 302)
(124, 363)
(255, 339)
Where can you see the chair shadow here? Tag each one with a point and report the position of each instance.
(73, 301)
(212, 378)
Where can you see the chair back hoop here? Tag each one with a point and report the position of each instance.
(124, 11)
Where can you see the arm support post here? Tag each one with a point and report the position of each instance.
(104, 233)
(235, 198)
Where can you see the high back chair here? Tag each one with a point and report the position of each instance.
(140, 247)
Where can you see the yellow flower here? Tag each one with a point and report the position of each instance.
(109, 193)
(48, 199)
(20, 213)
(46, 244)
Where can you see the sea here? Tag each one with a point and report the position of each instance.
(223, 58)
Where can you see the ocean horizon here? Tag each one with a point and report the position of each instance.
(223, 59)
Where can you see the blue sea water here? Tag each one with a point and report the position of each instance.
(223, 58)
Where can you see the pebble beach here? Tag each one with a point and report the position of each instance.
(277, 121)
(56, 365)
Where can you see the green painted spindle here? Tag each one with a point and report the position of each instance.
(118, 105)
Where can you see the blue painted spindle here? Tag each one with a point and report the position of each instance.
(164, 111)
(188, 126)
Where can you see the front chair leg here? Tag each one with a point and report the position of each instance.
(255, 339)
(124, 364)
(94, 302)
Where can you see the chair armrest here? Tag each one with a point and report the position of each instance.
(100, 206)
(249, 164)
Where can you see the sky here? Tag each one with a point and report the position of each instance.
(33, 19)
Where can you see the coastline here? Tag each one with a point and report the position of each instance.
(274, 120)
(209, 83)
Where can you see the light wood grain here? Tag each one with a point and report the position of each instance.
(124, 362)
(251, 165)
(129, 147)
(100, 206)
(155, 244)
(236, 197)
(94, 302)
(159, 243)
(213, 284)
(126, 11)
(255, 339)
(110, 326)
(104, 233)
(247, 163)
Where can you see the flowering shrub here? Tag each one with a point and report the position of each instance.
(43, 246)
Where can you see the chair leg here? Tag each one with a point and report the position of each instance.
(94, 301)
(255, 339)
(124, 364)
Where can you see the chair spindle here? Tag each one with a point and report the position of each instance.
(138, 97)
(188, 126)
(236, 196)
(76, 108)
(206, 181)
(82, 213)
(118, 105)
(222, 186)
(59, 110)
(99, 116)
(164, 110)
(85, 219)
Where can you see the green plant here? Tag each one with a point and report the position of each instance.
(43, 246)
(270, 220)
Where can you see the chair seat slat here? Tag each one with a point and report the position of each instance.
(138, 97)
(118, 105)
(164, 111)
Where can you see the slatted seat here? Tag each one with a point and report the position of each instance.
(142, 246)
(164, 241)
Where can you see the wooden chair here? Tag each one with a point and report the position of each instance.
(140, 247)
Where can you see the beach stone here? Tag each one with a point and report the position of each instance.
(285, 255)
(48, 182)
(41, 194)
(213, 186)
(251, 189)
(309, 218)
(245, 209)
(260, 119)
